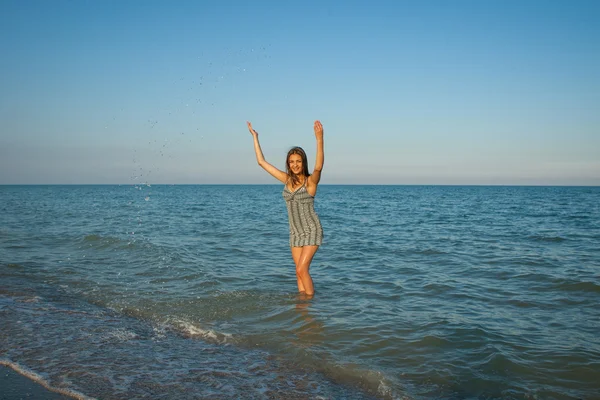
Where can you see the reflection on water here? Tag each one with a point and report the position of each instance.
(310, 331)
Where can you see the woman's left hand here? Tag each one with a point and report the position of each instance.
(318, 130)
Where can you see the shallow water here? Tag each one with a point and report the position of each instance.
(189, 291)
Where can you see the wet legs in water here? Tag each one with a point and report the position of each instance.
(302, 258)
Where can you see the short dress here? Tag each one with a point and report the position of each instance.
(305, 226)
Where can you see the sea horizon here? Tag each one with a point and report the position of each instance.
(320, 184)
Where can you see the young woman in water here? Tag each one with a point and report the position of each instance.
(300, 188)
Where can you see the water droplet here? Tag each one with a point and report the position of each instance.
(147, 198)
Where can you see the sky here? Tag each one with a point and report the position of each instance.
(446, 92)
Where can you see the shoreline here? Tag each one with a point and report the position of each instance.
(17, 384)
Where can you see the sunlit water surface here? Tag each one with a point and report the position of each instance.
(189, 292)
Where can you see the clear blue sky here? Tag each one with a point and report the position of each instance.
(419, 92)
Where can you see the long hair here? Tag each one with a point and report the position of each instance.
(293, 177)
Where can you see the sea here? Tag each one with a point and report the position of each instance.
(189, 292)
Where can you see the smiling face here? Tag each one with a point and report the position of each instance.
(295, 163)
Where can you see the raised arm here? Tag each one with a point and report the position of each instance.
(316, 175)
(277, 173)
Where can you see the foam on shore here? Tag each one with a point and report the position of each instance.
(34, 377)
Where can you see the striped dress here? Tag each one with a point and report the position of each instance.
(305, 227)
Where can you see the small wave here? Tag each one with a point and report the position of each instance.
(497, 362)
(120, 335)
(16, 246)
(30, 299)
(105, 241)
(38, 379)
(432, 341)
(551, 239)
(371, 381)
(581, 286)
(427, 252)
(578, 217)
(437, 288)
(192, 330)
(522, 303)
(92, 238)
(533, 277)
(130, 242)
(19, 295)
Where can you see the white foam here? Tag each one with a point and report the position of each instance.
(34, 299)
(121, 335)
(374, 380)
(193, 330)
(38, 379)
(159, 333)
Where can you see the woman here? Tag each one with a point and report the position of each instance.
(300, 188)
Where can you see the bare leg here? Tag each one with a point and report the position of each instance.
(296, 253)
(302, 267)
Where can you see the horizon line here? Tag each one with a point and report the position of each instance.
(321, 184)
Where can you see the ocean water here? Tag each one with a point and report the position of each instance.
(187, 292)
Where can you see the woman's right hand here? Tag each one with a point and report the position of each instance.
(318, 130)
(252, 131)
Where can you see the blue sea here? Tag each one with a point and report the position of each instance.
(189, 292)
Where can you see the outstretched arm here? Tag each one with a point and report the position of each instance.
(316, 175)
(277, 173)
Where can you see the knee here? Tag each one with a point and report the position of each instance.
(301, 270)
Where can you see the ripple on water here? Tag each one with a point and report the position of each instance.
(438, 292)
